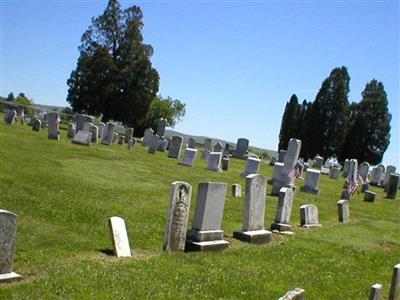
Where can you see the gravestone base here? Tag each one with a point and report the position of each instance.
(369, 196)
(183, 164)
(312, 226)
(9, 276)
(281, 227)
(206, 246)
(310, 190)
(254, 237)
(202, 236)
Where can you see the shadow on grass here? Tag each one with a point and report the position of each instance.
(108, 252)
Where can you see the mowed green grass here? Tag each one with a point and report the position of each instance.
(64, 195)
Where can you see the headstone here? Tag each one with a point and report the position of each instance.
(178, 216)
(214, 161)
(162, 144)
(394, 293)
(115, 137)
(281, 155)
(94, 130)
(128, 134)
(82, 138)
(309, 216)
(227, 150)
(153, 143)
(108, 134)
(81, 119)
(119, 237)
(369, 196)
(283, 211)
(71, 130)
(375, 292)
(343, 211)
(242, 148)
(334, 173)
(296, 294)
(312, 182)
(10, 116)
(86, 126)
(393, 185)
(236, 190)
(346, 167)
(8, 234)
(376, 176)
(218, 147)
(253, 230)
(324, 170)
(162, 123)
(353, 167)
(53, 130)
(277, 169)
(189, 157)
(272, 161)
(291, 157)
(207, 148)
(225, 163)
(131, 143)
(389, 170)
(252, 166)
(206, 233)
(36, 125)
(147, 137)
(364, 168)
(319, 161)
(175, 147)
(101, 126)
(192, 143)
(310, 162)
(121, 140)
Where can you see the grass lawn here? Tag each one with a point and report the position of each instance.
(64, 195)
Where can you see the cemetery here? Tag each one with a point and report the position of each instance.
(102, 221)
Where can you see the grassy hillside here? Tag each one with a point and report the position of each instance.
(64, 194)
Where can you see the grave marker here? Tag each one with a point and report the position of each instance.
(309, 216)
(119, 237)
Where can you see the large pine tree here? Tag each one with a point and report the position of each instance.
(289, 122)
(369, 134)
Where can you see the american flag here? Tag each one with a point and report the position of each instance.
(352, 186)
(294, 173)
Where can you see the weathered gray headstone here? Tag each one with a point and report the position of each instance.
(376, 175)
(278, 167)
(312, 182)
(319, 161)
(389, 170)
(334, 173)
(108, 134)
(8, 234)
(162, 144)
(218, 147)
(291, 158)
(153, 143)
(178, 216)
(86, 126)
(121, 140)
(236, 190)
(207, 148)
(393, 185)
(252, 166)
(375, 292)
(242, 148)
(162, 123)
(296, 294)
(394, 293)
(346, 167)
(119, 237)
(253, 230)
(115, 137)
(36, 125)
(343, 211)
(206, 233)
(81, 119)
(309, 216)
(94, 130)
(191, 143)
(189, 157)
(10, 116)
(225, 163)
(214, 161)
(147, 137)
(131, 143)
(82, 138)
(283, 211)
(369, 196)
(71, 130)
(175, 147)
(101, 126)
(53, 130)
(281, 155)
(128, 134)
(364, 168)
(353, 167)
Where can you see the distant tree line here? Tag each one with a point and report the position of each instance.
(332, 126)
(114, 76)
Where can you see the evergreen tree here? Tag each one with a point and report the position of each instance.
(328, 119)
(114, 75)
(369, 133)
(289, 122)
(304, 112)
(10, 97)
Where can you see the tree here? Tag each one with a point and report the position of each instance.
(10, 97)
(114, 75)
(164, 108)
(289, 122)
(328, 119)
(25, 104)
(369, 134)
(304, 112)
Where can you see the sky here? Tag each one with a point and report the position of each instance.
(234, 63)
